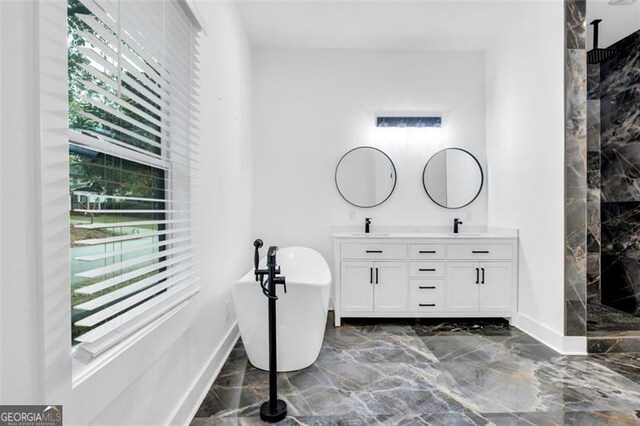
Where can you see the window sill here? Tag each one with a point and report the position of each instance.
(98, 383)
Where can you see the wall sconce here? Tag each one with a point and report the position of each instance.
(402, 122)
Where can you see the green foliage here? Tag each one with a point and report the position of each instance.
(104, 174)
(76, 74)
(101, 174)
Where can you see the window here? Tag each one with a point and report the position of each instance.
(130, 149)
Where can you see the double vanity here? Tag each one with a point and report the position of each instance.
(431, 272)
(425, 274)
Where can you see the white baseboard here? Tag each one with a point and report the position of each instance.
(566, 345)
(186, 409)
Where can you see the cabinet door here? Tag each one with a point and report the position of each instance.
(356, 286)
(495, 287)
(390, 280)
(462, 290)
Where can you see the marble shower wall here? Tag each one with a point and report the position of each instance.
(593, 183)
(575, 168)
(620, 176)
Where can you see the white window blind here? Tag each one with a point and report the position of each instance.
(132, 113)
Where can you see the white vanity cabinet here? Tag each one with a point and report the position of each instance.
(418, 275)
(374, 286)
(479, 287)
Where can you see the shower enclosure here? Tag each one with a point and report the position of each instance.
(613, 198)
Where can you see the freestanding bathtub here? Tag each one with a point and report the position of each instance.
(301, 312)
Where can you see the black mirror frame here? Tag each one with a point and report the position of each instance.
(395, 176)
(481, 178)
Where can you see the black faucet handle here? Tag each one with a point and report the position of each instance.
(367, 220)
(281, 280)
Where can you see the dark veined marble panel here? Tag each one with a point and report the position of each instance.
(575, 88)
(613, 345)
(575, 24)
(593, 125)
(620, 73)
(620, 161)
(593, 227)
(593, 187)
(593, 280)
(620, 261)
(593, 81)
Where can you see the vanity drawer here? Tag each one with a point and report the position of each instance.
(426, 251)
(426, 295)
(426, 269)
(426, 286)
(373, 251)
(479, 251)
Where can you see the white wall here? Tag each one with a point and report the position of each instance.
(525, 141)
(1, 180)
(18, 306)
(310, 106)
(151, 389)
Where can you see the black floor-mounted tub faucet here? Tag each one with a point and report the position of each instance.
(274, 409)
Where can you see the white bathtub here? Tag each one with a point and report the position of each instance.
(301, 312)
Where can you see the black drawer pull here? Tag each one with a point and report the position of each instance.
(480, 251)
(426, 304)
(427, 251)
(374, 251)
(426, 269)
(426, 287)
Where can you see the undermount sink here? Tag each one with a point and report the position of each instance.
(370, 234)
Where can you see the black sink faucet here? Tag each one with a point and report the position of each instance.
(367, 225)
(456, 223)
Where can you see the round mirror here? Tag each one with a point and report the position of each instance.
(453, 178)
(365, 177)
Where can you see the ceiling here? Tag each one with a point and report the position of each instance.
(617, 21)
(426, 24)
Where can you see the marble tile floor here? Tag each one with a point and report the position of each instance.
(428, 372)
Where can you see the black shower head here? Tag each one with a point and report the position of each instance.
(597, 55)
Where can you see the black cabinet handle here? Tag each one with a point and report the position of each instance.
(482, 275)
(426, 304)
(374, 251)
(426, 287)
(370, 275)
(426, 251)
(426, 269)
(376, 275)
(477, 276)
(480, 251)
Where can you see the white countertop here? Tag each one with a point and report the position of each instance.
(391, 232)
(417, 235)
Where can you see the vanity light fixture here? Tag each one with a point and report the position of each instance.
(420, 122)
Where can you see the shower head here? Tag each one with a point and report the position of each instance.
(597, 55)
